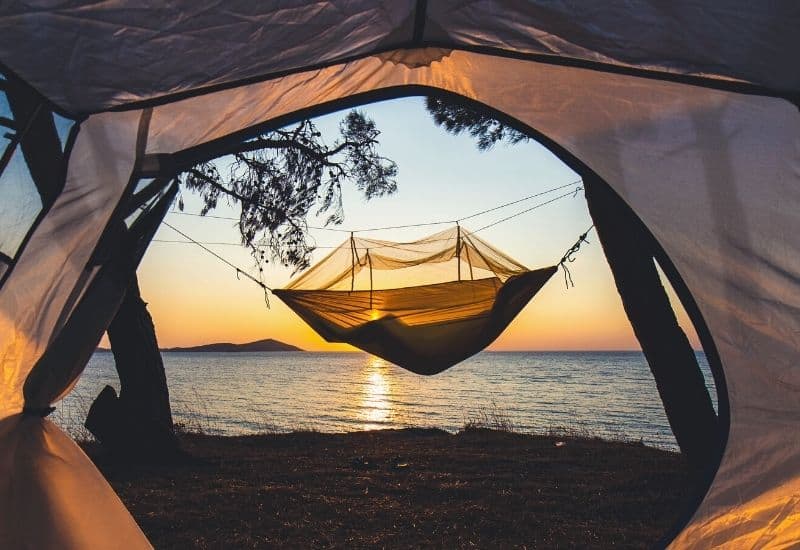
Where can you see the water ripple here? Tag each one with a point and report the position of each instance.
(602, 393)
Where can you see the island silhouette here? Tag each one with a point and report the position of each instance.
(268, 344)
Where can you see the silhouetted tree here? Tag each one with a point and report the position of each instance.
(281, 177)
(457, 118)
(276, 180)
(630, 251)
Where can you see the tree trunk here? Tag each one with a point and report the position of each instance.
(40, 145)
(629, 250)
(140, 420)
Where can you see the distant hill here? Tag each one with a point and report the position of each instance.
(261, 345)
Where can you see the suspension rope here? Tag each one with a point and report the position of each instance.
(239, 271)
(369, 261)
(569, 257)
(423, 224)
(220, 243)
(353, 254)
(512, 216)
(458, 249)
(523, 199)
(397, 246)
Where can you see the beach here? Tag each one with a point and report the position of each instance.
(309, 450)
(408, 488)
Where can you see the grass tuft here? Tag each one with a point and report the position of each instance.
(493, 418)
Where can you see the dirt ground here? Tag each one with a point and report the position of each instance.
(404, 489)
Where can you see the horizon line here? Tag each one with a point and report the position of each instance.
(629, 350)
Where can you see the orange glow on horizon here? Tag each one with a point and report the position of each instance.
(555, 320)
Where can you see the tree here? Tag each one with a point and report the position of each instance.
(457, 118)
(276, 179)
(280, 177)
(630, 252)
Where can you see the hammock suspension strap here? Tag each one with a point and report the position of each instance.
(239, 271)
(569, 257)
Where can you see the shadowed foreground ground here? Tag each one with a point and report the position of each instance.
(406, 488)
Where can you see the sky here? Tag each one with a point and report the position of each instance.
(194, 298)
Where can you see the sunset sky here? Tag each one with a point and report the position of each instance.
(195, 299)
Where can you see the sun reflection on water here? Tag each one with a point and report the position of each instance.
(376, 394)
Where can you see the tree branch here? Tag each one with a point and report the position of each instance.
(296, 173)
(241, 198)
(266, 143)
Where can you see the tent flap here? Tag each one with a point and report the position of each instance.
(52, 496)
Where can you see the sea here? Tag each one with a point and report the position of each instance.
(606, 394)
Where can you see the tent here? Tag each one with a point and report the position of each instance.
(688, 110)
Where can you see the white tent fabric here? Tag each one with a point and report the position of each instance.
(41, 283)
(51, 495)
(715, 175)
(100, 56)
(56, 498)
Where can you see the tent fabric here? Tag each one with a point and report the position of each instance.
(52, 273)
(425, 328)
(714, 174)
(52, 496)
(108, 54)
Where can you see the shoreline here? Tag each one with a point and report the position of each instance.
(404, 488)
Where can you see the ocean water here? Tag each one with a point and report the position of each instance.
(608, 394)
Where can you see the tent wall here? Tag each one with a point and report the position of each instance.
(51, 495)
(50, 273)
(715, 176)
(732, 40)
(107, 54)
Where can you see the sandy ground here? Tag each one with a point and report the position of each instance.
(404, 489)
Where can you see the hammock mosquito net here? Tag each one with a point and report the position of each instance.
(424, 305)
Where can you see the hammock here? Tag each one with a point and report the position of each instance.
(360, 295)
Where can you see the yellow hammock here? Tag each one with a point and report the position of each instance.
(423, 326)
